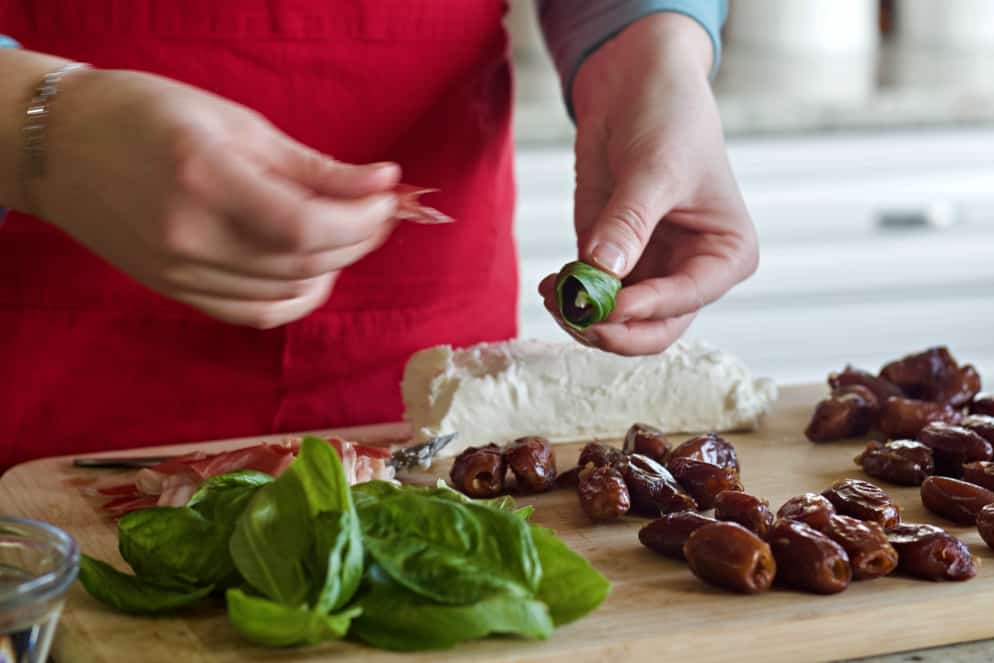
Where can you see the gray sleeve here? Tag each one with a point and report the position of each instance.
(573, 30)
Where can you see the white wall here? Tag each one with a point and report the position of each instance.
(833, 286)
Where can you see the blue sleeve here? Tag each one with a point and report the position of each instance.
(573, 30)
(6, 42)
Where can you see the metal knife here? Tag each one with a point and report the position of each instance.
(418, 456)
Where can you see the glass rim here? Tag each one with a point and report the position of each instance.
(51, 584)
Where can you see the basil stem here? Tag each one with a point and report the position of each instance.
(584, 294)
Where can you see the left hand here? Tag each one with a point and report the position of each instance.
(656, 203)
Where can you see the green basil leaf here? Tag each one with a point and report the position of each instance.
(396, 618)
(275, 545)
(370, 491)
(584, 294)
(223, 497)
(340, 557)
(136, 595)
(570, 586)
(271, 624)
(176, 543)
(448, 550)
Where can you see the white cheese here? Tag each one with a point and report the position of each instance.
(496, 392)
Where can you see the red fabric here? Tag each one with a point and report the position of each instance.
(91, 360)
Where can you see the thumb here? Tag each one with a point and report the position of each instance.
(325, 176)
(616, 239)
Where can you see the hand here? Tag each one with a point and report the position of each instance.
(204, 201)
(656, 203)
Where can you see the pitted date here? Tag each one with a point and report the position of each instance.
(479, 471)
(600, 455)
(985, 525)
(905, 462)
(648, 441)
(652, 488)
(668, 534)
(747, 510)
(730, 556)
(533, 463)
(980, 472)
(603, 493)
(980, 424)
(703, 481)
(959, 388)
(905, 417)
(870, 554)
(929, 552)
(710, 448)
(983, 403)
(807, 559)
(810, 508)
(849, 412)
(881, 388)
(569, 479)
(954, 445)
(922, 374)
(864, 501)
(955, 500)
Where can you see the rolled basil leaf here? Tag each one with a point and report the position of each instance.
(584, 294)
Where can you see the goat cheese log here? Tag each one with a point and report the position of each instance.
(496, 392)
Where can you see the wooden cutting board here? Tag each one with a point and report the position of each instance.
(657, 610)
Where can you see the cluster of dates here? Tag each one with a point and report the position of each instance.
(481, 472)
(816, 542)
(907, 395)
(648, 478)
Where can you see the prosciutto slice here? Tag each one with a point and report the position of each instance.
(173, 482)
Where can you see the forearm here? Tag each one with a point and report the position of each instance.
(573, 31)
(22, 71)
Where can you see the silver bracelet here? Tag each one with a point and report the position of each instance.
(35, 129)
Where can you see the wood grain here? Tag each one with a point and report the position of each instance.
(656, 611)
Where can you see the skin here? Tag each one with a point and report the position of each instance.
(198, 198)
(656, 203)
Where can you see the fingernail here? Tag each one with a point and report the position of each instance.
(610, 257)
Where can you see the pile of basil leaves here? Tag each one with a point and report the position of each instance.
(305, 558)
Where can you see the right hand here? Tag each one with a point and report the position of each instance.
(203, 200)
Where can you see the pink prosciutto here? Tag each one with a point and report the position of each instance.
(173, 482)
(409, 208)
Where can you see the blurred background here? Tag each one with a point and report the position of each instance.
(862, 135)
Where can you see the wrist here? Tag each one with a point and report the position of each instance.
(665, 46)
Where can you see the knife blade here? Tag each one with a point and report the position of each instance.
(407, 458)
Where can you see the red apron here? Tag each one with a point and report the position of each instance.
(91, 360)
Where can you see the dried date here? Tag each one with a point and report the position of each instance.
(955, 500)
(905, 462)
(923, 374)
(710, 448)
(703, 480)
(807, 559)
(870, 554)
(980, 424)
(668, 534)
(648, 441)
(533, 463)
(881, 388)
(600, 455)
(983, 403)
(810, 508)
(929, 552)
(849, 412)
(747, 510)
(864, 501)
(980, 472)
(730, 556)
(652, 488)
(603, 493)
(954, 445)
(959, 388)
(905, 417)
(479, 471)
(985, 524)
